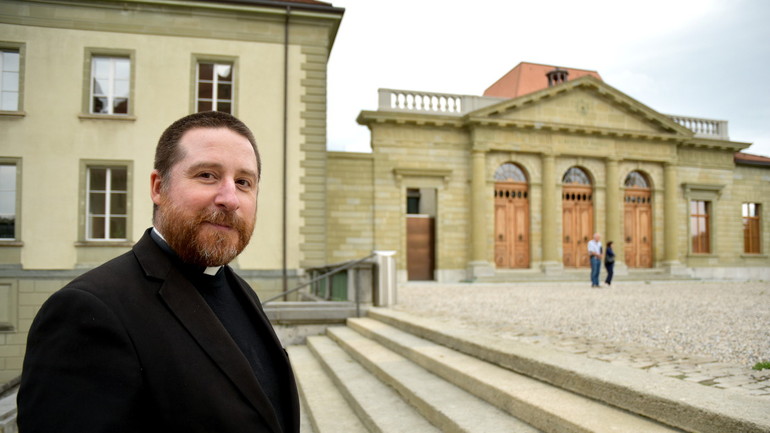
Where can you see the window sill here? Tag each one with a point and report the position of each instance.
(753, 256)
(126, 117)
(702, 256)
(11, 244)
(13, 113)
(98, 244)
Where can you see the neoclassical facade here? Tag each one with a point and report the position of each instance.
(470, 188)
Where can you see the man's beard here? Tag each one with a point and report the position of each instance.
(199, 245)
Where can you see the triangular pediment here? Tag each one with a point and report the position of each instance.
(586, 103)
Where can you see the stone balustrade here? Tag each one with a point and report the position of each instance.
(432, 103)
(458, 105)
(708, 128)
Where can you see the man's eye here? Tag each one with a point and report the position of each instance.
(244, 182)
(206, 175)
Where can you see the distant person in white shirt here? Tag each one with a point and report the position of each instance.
(595, 253)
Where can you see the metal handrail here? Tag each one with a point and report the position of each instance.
(344, 267)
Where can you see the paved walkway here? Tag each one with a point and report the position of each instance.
(703, 332)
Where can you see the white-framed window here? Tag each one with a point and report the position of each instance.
(8, 201)
(10, 78)
(110, 85)
(106, 203)
(214, 84)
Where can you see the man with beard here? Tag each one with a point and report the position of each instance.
(167, 337)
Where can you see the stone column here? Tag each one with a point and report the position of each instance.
(479, 266)
(551, 262)
(670, 220)
(613, 204)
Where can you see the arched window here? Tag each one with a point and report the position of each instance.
(636, 179)
(510, 172)
(576, 175)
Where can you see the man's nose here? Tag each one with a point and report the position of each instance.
(226, 196)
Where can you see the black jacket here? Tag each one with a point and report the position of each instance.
(131, 346)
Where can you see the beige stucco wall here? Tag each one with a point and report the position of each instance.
(53, 137)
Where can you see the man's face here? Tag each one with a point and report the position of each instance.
(207, 206)
(597, 237)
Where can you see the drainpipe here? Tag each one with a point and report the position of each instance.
(284, 270)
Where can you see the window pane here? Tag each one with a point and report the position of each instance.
(206, 71)
(120, 106)
(7, 227)
(96, 203)
(100, 86)
(117, 228)
(119, 179)
(10, 61)
(97, 228)
(224, 72)
(122, 69)
(121, 88)
(205, 90)
(224, 91)
(224, 107)
(100, 105)
(118, 203)
(9, 101)
(10, 81)
(101, 67)
(204, 106)
(98, 179)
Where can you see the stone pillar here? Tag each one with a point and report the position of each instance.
(479, 266)
(551, 263)
(670, 220)
(613, 204)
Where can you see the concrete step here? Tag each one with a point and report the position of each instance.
(684, 405)
(446, 406)
(379, 406)
(326, 408)
(544, 406)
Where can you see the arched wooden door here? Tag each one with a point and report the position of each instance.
(637, 221)
(511, 217)
(577, 218)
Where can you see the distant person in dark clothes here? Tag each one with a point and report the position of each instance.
(609, 263)
(167, 338)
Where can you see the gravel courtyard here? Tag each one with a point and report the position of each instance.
(725, 321)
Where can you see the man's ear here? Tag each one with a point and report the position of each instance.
(155, 187)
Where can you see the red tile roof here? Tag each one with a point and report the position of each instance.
(529, 77)
(749, 159)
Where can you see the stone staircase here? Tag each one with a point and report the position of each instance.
(395, 372)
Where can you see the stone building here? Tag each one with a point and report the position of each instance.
(87, 89)
(514, 183)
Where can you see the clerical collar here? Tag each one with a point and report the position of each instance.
(211, 270)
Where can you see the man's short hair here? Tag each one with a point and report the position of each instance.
(167, 153)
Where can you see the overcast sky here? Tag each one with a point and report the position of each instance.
(700, 58)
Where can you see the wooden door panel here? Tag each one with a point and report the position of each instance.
(511, 225)
(420, 248)
(629, 229)
(520, 227)
(644, 218)
(585, 226)
(568, 234)
(638, 228)
(501, 235)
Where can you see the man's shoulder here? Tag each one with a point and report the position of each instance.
(115, 270)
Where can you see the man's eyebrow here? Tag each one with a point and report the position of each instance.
(203, 165)
(217, 166)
